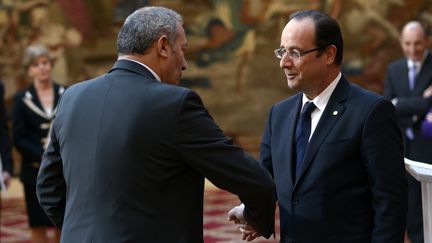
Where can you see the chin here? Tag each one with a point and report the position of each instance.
(292, 84)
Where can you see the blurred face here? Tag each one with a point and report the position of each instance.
(40, 69)
(176, 62)
(413, 42)
(305, 73)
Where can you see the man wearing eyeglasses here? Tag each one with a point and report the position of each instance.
(334, 149)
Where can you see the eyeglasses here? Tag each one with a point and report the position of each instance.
(293, 54)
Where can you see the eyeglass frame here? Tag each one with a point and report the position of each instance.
(294, 51)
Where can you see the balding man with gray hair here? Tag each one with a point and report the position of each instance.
(406, 83)
(129, 150)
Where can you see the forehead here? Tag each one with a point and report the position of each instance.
(181, 37)
(298, 33)
(413, 33)
(42, 58)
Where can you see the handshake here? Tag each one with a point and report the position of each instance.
(236, 215)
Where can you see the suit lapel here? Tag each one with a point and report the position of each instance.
(401, 82)
(58, 91)
(31, 100)
(423, 79)
(330, 116)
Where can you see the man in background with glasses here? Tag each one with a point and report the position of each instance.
(334, 149)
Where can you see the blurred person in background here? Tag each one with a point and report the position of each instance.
(406, 85)
(34, 108)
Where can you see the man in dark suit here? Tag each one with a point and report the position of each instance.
(406, 85)
(349, 185)
(129, 150)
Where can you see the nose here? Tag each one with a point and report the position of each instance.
(285, 61)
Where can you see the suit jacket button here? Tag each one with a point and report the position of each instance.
(296, 202)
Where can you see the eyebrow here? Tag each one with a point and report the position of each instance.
(291, 48)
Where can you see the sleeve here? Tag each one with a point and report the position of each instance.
(388, 85)
(411, 106)
(265, 149)
(406, 107)
(5, 145)
(20, 132)
(382, 151)
(204, 147)
(51, 185)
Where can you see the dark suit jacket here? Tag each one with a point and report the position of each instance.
(5, 144)
(411, 107)
(127, 161)
(30, 126)
(352, 186)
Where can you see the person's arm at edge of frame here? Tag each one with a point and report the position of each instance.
(382, 151)
(50, 185)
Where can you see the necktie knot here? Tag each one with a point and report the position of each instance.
(308, 108)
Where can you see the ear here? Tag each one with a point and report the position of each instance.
(330, 54)
(163, 46)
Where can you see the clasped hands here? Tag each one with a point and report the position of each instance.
(236, 215)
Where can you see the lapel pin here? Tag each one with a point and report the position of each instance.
(335, 113)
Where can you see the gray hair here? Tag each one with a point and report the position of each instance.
(144, 26)
(32, 52)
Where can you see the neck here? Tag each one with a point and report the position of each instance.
(149, 60)
(326, 81)
(43, 85)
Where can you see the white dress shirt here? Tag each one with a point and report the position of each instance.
(321, 102)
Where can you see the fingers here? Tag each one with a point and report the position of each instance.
(251, 237)
(236, 215)
(248, 233)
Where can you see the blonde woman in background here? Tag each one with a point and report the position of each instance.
(33, 110)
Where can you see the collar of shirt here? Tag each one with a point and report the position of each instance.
(418, 64)
(142, 64)
(321, 102)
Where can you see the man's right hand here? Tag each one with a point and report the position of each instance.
(236, 215)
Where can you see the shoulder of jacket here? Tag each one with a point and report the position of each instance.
(289, 101)
(398, 63)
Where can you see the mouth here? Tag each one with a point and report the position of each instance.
(290, 75)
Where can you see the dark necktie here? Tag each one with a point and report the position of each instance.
(303, 131)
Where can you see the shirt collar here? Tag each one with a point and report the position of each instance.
(418, 64)
(322, 99)
(142, 64)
